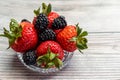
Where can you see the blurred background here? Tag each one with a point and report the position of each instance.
(92, 15)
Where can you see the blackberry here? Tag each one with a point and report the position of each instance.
(59, 23)
(41, 22)
(24, 20)
(47, 34)
(30, 57)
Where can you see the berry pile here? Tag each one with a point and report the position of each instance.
(44, 40)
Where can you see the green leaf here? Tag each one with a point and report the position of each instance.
(80, 51)
(58, 63)
(73, 39)
(52, 56)
(81, 41)
(79, 30)
(41, 59)
(84, 33)
(44, 6)
(7, 33)
(14, 26)
(13, 33)
(37, 12)
(39, 63)
(49, 8)
(2, 35)
(50, 64)
(85, 40)
(80, 46)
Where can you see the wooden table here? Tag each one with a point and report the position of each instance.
(101, 18)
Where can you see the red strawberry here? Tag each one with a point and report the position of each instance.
(50, 53)
(22, 37)
(71, 38)
(57, 31)
(54, 47)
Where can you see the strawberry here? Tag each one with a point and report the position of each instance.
(50, 53)
(57, 31)
(22, 37)
(71, 38)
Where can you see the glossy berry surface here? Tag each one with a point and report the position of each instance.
(47, 34)
(59, 23)
(28, 39)
(41, 22)
(29, 57)
(64, 38)
(54, 47)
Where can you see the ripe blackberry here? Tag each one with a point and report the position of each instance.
(41, 22)
(47, 34)
(29, 57)
(59, 23)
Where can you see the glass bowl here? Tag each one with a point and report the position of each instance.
(66, 60)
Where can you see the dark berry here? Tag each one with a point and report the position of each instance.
(29, 57)
(47, 34)
(59, 23)
(41, 22)
(24, 20)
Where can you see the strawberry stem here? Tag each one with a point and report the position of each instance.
(81, 41)
(37, 12)
(49, 60)
(46, 9)
(14, 33)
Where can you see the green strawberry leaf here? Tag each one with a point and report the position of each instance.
(73, 39)
(79, 30)
(80, 46)
(49, 8)
(44, 8)
(84, 33)
(50, 59)
(14, 33)
(52, 56)
(50, 64)
(58, 63)
(81, 41)
(37, 12)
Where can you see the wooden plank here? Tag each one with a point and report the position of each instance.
(100, 62)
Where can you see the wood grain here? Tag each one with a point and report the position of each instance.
(100, 61)
(93, 15)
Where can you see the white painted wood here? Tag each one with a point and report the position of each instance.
(100, 62)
